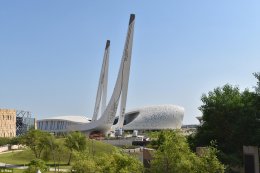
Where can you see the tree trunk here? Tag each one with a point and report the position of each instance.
(54, 160)
(59, 163)
(39, 156)
(70, 158)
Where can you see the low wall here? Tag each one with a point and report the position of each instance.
(15, 147)
(119, 142)
(12, 147)
(4, 148)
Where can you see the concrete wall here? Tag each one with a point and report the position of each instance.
(119, 142)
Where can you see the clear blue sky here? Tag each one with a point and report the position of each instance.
(51, 52)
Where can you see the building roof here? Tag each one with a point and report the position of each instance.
(158, 107)
(73, 118)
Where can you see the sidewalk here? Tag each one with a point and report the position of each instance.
(5, 165)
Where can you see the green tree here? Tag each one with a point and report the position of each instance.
(60, 152)
(119, 162)
(4, 141)
(36, 140)
(257, 76)
(75, 141)
(157, 139)
(15, 140)
(53, 148)
(84, 163)
(231, 118)
(209, 161)
(36, 165)
(174, 155)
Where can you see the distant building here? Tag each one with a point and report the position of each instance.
(189, 129)
(200, 120)
(24, 122)
(14, 123)
(7, 123)
(60, 124)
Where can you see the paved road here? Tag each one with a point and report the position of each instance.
(6, 165)
(25, 167)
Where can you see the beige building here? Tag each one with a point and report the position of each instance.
(7, 123)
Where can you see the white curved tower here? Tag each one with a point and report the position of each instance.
(127, 58)
(105, 122)
(102, 85)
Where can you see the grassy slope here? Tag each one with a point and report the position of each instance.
(24, 157)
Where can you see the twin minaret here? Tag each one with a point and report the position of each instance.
(102, 85)
(119, 95)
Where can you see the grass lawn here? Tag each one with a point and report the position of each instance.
(99, 147)
(18, 170)
(19, 158)
(25, 156)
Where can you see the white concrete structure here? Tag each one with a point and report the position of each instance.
(102, 86)
(157, 117)
(152, 117)
(119, 95)
(61, 124)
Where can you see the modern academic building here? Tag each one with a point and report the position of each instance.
(111, 116)
(156, 117)
(14, 123)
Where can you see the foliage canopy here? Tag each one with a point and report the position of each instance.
(232, 119)
(174, 155)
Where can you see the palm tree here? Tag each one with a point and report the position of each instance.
(75, 141)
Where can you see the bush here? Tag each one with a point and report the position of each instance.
(36, 165)
(4, 141)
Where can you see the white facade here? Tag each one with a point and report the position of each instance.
(154, 118)
(61, 123)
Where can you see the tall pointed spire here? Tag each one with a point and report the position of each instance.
(127, 54)
(102, 85)
(121, 86)
(105, 122)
